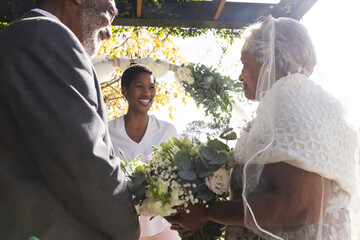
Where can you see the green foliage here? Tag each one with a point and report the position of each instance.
(3, 24)
(33, 238)
(16, 6)
(174, 177)
(189, 32)
(149, 7)
(212, 91)
(185, 166)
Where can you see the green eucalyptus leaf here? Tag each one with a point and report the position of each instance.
(201, 167)
(140, 191)
(138, 181)
(207, 153)
(216, 144)
(219, 159)
(187, 174)
(130, 185)
(215, 167)
(228, 134)
(206, 174)
(182, 161)
(137, 186)
(205, 193)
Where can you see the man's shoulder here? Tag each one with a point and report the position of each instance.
(32, 22)
(35, 27)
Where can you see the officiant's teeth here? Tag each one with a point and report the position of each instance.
(145, 100)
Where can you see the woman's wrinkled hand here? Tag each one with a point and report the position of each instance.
(189, 223)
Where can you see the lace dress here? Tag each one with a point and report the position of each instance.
(336, 210)
(307, 131)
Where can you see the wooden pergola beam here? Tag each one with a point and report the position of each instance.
(217, 14)
(219, 5)
(138, 8)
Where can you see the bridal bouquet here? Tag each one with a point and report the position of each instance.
(180, 173)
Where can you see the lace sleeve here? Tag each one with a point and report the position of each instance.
(310, 131)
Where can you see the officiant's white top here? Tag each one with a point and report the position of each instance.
(157, 131)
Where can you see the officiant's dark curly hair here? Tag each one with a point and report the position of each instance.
(39, 2)
(131, 73)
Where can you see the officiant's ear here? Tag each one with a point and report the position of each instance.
(124, 91)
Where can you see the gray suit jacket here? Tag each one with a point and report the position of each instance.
(58, 179)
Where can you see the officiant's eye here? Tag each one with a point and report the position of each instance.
(139, 86)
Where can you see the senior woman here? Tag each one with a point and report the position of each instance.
(296, 160)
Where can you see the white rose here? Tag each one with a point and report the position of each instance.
(167, 210)
(156, 205)
(146, 210)
(184, 75)
(219, 182)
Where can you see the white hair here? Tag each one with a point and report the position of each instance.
(294, 50)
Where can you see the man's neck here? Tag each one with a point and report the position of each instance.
(66, 12)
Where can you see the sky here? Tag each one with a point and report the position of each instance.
(332, 24)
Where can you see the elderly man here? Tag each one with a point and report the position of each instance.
(58, 177)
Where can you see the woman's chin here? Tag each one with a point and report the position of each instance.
(249, 96)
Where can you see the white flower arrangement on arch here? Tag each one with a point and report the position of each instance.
(183, 74)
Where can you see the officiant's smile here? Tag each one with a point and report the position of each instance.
(141, 92)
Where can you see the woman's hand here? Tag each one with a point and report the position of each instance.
(189, 223)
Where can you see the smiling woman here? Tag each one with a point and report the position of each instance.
(138, 87)
(136, 132)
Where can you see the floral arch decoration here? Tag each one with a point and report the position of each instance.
(209, 88)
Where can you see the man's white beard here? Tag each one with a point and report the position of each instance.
(91, 43)
(91, 24)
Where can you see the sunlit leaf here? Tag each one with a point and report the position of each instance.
(216, 144)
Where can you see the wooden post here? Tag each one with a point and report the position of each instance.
(138, 8)
(219, 5)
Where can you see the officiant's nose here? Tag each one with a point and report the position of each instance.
(146, 91)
